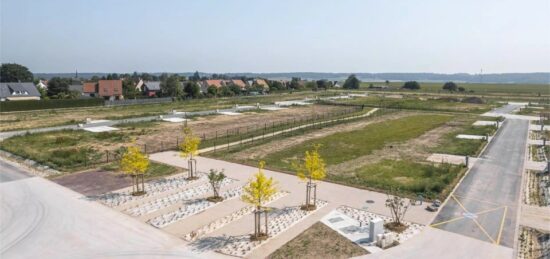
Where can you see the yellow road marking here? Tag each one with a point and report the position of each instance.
(501, 225)
(489, 210)
(477, 223)
(468, 198)
(447, 221)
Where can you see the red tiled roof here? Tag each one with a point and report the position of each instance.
(110, 87)
(216, 83)
(261, 82)
(89, 88)
(238, 83)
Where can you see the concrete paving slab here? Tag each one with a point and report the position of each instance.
(100, 129)
(466, 136)
(435, 243)
(533, 165)
(537, 127)
(538, 142)
(485, 123)
(41, 219)
(451, 159)
(174, 119)
(535, 217)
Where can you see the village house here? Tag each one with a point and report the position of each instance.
(110, 89)
(18, 91)
(151, 88)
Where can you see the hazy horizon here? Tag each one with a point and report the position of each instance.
(124, 36)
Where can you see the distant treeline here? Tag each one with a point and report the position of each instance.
(523, 78)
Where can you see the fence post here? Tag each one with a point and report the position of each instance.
(145, 147)
(107, 154)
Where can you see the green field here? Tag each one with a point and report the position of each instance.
(464, 147)
(478, 88)
(341, 147)
(430, 180)
(415, 103)
(411, 177)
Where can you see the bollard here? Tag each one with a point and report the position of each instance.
(467, 161)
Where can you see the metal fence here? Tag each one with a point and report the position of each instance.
(138, 101)
(231, 138)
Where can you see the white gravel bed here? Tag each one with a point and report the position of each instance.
(219, 223)
(117, 198)
(279, 221)
(364, 217)
(185, 194)
(192, 208)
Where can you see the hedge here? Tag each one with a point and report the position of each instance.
(26, 105)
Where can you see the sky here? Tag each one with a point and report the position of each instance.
(373, 36)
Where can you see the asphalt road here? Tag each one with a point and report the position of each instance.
(8, 172)
(40, 219)
(484, 205)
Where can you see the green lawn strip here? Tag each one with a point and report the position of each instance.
(430, 180)
(464, 147)
(341, 147)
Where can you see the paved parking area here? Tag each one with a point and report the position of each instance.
(94, 182)
(484, 205)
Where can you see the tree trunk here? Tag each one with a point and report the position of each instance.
(143, 182)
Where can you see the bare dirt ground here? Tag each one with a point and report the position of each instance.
(222, 124)
(318, 241)
(94, 182)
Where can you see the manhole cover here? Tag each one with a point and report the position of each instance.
(370, 201)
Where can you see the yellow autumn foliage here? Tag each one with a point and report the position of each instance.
(189, 147)
(134, 162)
(259, 189)
(313, 166)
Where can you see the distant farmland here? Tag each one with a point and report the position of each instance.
(543, 89)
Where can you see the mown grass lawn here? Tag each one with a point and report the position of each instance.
(464, 147)
(72, 150)
(341, 147)
(430, 180)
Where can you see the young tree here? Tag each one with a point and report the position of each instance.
(259, 190)
(311, 170)
(12, 72)
(212, 91)
(135, 163)
(352, 82)
(398, 207)
(450, 86)
(215, 178)
(411, 85)
(189, 147)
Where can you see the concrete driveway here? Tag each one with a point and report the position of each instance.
(485, 205)
(40, 219)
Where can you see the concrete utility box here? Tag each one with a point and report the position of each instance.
(385, 240)
(376, 227)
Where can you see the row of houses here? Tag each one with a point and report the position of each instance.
(218, 83)
(112, 89)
